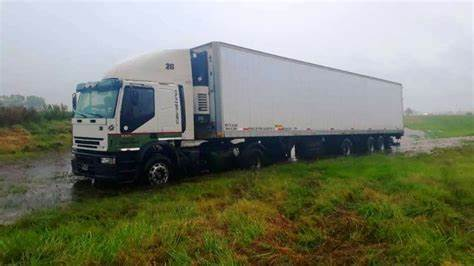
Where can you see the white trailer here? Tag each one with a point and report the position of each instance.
(180, 111)
(258, 94)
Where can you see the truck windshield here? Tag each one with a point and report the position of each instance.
(97, 100)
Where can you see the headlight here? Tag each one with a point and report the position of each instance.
(73, 156)
(107, 160)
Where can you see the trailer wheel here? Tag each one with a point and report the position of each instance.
(302, 152)
(370, 145)
(381, 144)
(309, 150)
(346, 147)
(158, 170)
(251, 159)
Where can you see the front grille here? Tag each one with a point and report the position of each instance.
(87, 142)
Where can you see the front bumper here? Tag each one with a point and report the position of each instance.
(88, 163)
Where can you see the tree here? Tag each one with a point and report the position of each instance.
(35, 102)
(29, 102)
(409, 111)
(12, 100)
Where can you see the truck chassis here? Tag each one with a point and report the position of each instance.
(162, 161)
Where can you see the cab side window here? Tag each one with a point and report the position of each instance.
(138, 107)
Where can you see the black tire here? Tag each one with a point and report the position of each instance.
(371, 145)
(276, 153)
(158, 170)
(303, 152)
(346, 147)
(251, 159)
(309, 150)
(220, 161)
(381, 145)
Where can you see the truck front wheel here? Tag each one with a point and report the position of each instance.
(158, 170)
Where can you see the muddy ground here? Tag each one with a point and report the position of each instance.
(415, 141)
(46, 182)
(34, 183)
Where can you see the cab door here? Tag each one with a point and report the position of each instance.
(168, 109)
(138, 114)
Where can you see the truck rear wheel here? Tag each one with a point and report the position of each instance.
(346, 147)
(251, 159)
(158, 170)
(276, 152)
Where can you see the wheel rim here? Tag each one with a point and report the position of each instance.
(371, 147)
(158, 174)
(346, 149)
(381, 145)
(257, 164)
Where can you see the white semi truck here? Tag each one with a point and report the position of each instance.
(178, 112)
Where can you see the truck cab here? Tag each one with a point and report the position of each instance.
(142, 104)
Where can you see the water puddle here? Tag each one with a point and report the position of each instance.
(35, 183)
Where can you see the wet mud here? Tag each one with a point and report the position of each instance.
(415, 141)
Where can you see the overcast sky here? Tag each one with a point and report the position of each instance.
(47, 48)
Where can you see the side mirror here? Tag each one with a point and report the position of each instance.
(74, 101)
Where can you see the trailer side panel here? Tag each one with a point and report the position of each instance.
(266, 95)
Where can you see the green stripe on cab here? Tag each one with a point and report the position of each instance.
(121, 141)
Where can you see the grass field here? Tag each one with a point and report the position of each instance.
(28, 139)
(373, 209)
(442, 126)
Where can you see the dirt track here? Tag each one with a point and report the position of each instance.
(47, 182)
(415, 141)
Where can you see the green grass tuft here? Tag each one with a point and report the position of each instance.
(34, 138)
(442, 126)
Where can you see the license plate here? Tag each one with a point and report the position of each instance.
(84, 167)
